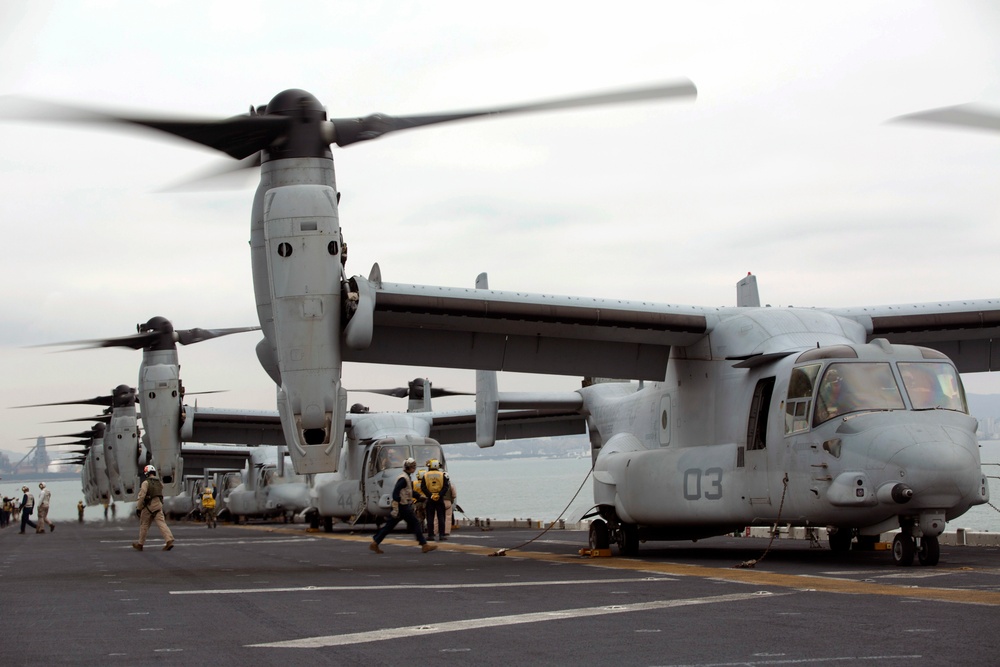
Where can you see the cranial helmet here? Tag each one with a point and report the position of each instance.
(410, 464)
(434, 464)
(149, 470)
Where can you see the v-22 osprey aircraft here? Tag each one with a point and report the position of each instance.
(743, 422)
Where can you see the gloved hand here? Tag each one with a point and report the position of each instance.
(395, 510)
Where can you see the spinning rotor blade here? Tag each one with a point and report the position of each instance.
(83, 443)
(967, 116)
(415, 390)
(157, 334)
(99, 418)
(294, 124)
(97, 400)
(352, 130)
(238, 137)
(189, 336)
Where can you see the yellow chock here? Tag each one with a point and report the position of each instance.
(596, 553)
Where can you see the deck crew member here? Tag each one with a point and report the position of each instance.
(208, 507)
(27, 509)
(43, 509)
(402, 510)
(149, 508)
(434, 486)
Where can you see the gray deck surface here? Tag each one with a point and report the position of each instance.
(273, 594)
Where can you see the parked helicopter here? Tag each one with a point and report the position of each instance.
(310, 313)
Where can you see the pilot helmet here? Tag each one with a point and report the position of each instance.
(149, 470)
(434, 464)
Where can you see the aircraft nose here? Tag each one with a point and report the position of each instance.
(941, 472)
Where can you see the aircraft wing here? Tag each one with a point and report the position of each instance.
(967, 331)
(536, 422)
(240, 427)
(485, 329)
(199, 457)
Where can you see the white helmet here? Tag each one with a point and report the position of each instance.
(149, 470)
(410, 463)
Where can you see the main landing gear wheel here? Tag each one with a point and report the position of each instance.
(840, 541)
(903, 549)
(599, 535)
(628, 540)
(929, 552)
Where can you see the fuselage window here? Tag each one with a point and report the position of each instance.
(933, 386)
(800, 393)
(854, 387)
(759, 409)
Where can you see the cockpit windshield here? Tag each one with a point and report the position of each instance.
(853, 387)
(933, 386)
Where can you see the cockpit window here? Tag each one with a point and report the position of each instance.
(390, 456)
(853, 387)
(424, 453)
(933, 386)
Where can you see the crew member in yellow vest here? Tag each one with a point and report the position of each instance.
(402, 510)
(435, 486)
(208, 507)
(149, 508)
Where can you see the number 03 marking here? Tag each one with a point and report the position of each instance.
(705, 484)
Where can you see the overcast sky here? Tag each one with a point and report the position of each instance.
(784, 166)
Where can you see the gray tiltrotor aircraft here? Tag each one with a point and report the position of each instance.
(849, 418)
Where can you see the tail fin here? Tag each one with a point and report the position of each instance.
(487, 398)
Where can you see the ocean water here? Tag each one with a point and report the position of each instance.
(516, 488)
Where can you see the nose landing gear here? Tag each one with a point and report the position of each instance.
(905, 546)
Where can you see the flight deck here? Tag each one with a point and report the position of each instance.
(272, 593)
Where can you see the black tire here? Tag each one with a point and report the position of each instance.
(903, 550)
(328, 524)
(599, 535)
(929, 552)
(628, 544)
(840, 541)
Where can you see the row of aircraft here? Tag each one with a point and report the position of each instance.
(722, 417)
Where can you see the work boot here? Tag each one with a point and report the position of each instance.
(375, 547)
(428, 547)
(137, 546)
(169, 545)
(444, 538)
(52, 528)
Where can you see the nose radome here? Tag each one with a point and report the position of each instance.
(939, 473)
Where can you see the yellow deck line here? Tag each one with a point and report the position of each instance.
(801, 582)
